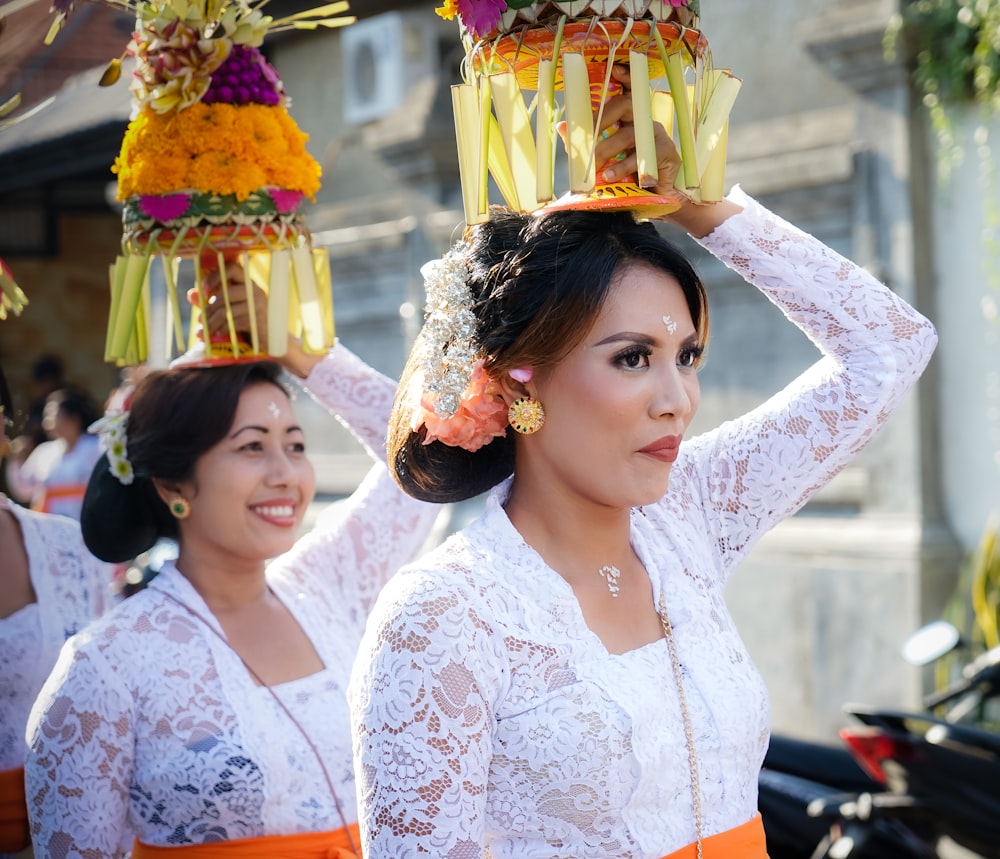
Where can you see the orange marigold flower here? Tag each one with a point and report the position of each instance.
(217, 149)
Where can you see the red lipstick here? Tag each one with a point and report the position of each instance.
(664, 449)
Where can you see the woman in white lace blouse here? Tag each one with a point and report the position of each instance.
(562, 678)
(50, 588)
(207, 712)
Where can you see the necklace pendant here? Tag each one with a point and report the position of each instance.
(611, 574)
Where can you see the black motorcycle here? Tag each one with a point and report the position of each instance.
(937, 777)
(799, 775)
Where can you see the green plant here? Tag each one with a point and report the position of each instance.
(955, 50)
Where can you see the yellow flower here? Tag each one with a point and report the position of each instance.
(449, 10)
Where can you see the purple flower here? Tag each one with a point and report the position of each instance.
(166, 208)
(481, 17)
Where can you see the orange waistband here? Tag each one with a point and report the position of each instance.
(15, 833)
(743, 842)
(58, 493)
(334, 844)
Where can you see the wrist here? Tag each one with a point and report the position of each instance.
(700, 219)
(300, 363)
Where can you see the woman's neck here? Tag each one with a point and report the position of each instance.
(573, 535)
(224, 585)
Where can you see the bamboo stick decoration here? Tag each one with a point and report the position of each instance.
(642, 119)
(545, 113)
(580, 136)
(515, 133)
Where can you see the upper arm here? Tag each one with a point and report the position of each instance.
(423, 714)
(78, 769)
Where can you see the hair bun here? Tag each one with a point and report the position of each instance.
(118, 522)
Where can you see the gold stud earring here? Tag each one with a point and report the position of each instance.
(179, 508)
(526, 415)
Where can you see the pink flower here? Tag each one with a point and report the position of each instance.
(285, 200)
(481, 416)
(480, 17)
(166, 208)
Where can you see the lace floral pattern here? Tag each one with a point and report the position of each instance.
(181, 746)
(72, 588)
(490, 721)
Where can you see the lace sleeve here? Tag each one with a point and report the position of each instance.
(422, 716)
(78, 770)
(357, 394)
(758, 469)
(357, 544)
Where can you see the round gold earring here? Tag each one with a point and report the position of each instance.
(526, 415)
(179, 508)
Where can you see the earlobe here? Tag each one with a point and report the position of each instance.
(167, 490)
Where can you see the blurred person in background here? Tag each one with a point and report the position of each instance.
(53, 477)
(47, 376)
(50, 588)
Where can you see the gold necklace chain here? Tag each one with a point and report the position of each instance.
(668, 633)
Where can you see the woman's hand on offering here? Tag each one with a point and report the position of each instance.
(243, 304)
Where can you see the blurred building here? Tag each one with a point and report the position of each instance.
(826, 132)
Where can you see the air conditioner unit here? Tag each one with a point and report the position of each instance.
(374, 67)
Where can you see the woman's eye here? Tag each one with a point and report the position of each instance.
(689, 358)
(634, 359)
(252, 446)
(297, 447)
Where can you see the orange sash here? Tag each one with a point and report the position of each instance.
(15, 834)
(334, 844)
(743, 842)
(58, 493)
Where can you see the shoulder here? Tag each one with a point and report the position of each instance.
(124, 636)
(456, 580)
(56, 547)
(445, 570)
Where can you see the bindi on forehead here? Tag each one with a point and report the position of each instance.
(671, 325)
(274, 409)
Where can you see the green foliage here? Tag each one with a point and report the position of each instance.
(955, 50)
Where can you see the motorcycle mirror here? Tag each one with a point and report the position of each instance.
(930, 642)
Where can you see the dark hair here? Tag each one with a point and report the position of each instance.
(6, 401)
(75, 403)
(175, 416)
(538, 283)
(48, 368)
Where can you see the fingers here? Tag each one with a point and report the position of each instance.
(615, 147)
(616, 155)
(617, 109)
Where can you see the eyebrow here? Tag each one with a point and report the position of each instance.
(628, 336)
(265, 430)
(644, 339)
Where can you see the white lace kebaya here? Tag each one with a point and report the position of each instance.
(72, 588)
(489, 720)
(150, 727)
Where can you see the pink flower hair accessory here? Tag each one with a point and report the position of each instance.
(480, 417)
